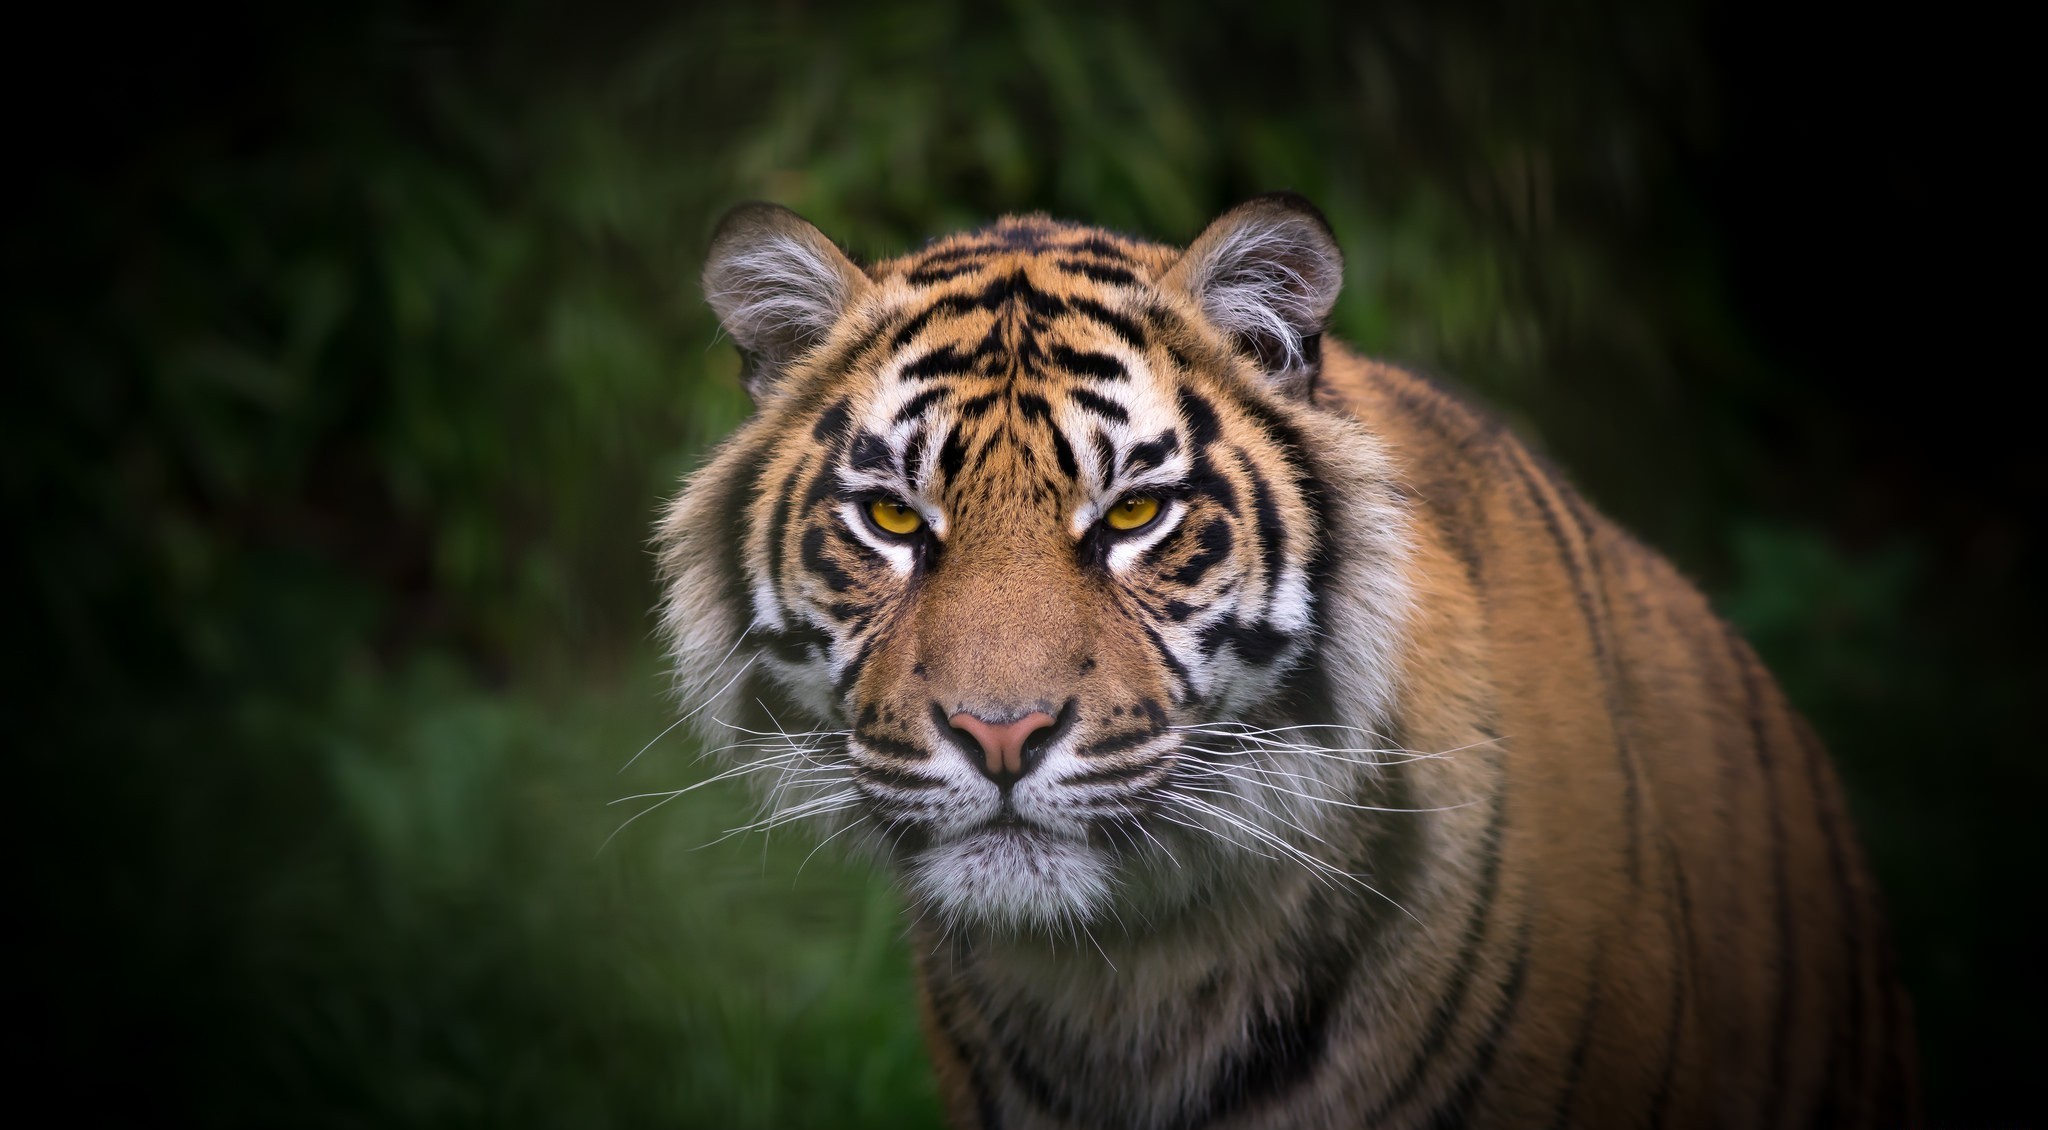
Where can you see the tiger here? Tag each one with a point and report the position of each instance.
(1259, 735)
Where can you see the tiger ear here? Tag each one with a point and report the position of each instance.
(779, 286)
(1267, 273)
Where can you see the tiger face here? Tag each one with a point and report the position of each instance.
(1027, 528)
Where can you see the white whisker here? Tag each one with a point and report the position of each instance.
(1220, 772)
(1280, 843)
(695, 709)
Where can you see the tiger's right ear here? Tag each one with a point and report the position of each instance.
(779, 286)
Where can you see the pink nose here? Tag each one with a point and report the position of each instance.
(1002, 743)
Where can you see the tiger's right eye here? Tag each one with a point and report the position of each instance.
(893, 517)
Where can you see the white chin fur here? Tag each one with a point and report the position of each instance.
(1012, 879)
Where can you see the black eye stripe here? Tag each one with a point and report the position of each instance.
(1213, 542)
(813, 557)
(857, 547)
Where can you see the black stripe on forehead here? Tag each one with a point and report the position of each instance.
(951, 304)
(1015, 233)
(924, 276)
(1152, 452)
(1096, 245)
(1100, 366)
(913, 456)
(1035, 300)
(1014, 286)
(1123, 327)
(1013, 238)
(915, 406)
(969, 250)
(870, 453)
(1203, 426)
(944, 361)
(1109, 276)
(977, 407)
(952, 454)
(981, 454)
(1105, 455)
(1100, 405)
(1064, 452)
(952, 262)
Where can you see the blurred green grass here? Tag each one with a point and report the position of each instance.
(364, 344)
(428, 914)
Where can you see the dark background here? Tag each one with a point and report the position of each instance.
(351, 351)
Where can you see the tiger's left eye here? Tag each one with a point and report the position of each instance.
(1132, 512)
(892, 517)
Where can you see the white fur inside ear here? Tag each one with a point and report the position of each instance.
(1270, 280)
(779, 294)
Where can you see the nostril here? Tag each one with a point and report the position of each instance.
(963, 739)
(1048, 731)
(1004, 750)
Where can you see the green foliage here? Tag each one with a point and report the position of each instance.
(427, 913)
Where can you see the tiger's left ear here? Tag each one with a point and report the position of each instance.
(1267, 273)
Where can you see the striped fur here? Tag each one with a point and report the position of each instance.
(1391, 785)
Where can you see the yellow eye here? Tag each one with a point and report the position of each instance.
(893, 517)
(1133, 512)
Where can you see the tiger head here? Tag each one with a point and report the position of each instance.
(1033, 531)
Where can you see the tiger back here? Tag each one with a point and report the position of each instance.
(1260, 735)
